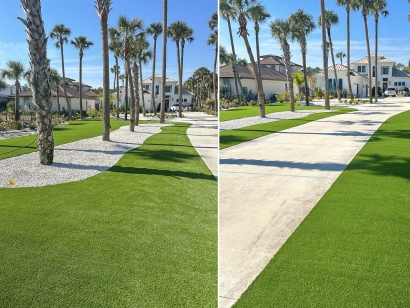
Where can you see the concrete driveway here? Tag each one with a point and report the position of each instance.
(269, 185)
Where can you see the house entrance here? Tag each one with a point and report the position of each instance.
(167, 104)
(385, 84)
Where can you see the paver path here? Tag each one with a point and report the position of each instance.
(269, 185)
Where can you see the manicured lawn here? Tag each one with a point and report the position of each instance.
(229, 138)
(353, 249)
(251, 111)
(141, 234)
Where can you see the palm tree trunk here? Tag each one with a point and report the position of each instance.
(325, 66)
(64, 83)
(235, 71)
(334, 64)
(164, 59)
(303, 47)
(349, 82)
(118, 87)
(376, 86)
(261, 95)
(81, 85)
(17, 103)
(132, 108)
(288, 70)
(142, 96)
(136, 90)
(259, 59)
(58, 100)
(368, 55)
(214, 80)
(126, 93)
(153, 77)
(106, 78)
(180, 79)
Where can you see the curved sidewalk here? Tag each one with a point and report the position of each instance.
(269, 185)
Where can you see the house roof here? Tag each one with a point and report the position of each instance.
(246, 72)
(341, 68)
(184, 92)
(78, 83)
(399, 73)
(275, 60)
(71, 93)
(381, 59)
(157, 76)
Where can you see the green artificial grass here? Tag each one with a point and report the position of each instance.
(141, 234)
(353, 249)
(251, 111)
(232, 137)
(75, 130)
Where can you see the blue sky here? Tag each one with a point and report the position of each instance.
(80, 16)
(394, 40)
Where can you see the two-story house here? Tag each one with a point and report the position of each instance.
(4, 96)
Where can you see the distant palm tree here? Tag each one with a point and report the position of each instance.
(282, 31)
(40, 79)
(164, 58)
(325, 65)
(154, 29)
(331, 18)
(3, 84)
(341, 55)
(242, 10)
(379, 6)
(103, 8)
(213, 40)
(55, 80)
(347, 4)
(15, 70)
(228, 60)
(116, 48)
(302, 25)
(81, 44)
(365, 6)
(61, 33)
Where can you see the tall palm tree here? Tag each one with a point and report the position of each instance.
(324, 51)
(15, 70)
(81, 43)
(164, 58)
(331, 18)
(213, 40)
(258, 15)
(116, 48)
(186, 37)
(227, 59)
(242, 7)
(281, 29)
(365, 6)
(40, 78)
(347, 4)
(103, 8)
(379, 6)
(143, 55)
(61, 33)
(127, 29)
(302, 25)
(133, 78)
(228, 14)
(154, 29)
(341, 55)
(55, 80)
(3, 84)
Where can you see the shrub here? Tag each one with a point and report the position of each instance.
(17, 125)
(94, 113)
(282, 97)
(32, 126)
(319, 93)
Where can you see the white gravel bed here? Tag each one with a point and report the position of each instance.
(76, 160)
(276, 116)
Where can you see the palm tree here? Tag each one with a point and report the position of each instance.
(341, 55)
(213, 40)
(179, 31)
(60, 32)
(103, 8)
(302, 25)
(331, 18)
(81, 44)
(55, 80)
(40, 78)
(299, 80)
(134, 87)
(281, 30)
(154, 29)
(3, 84)
(325, 67)
(379, 6)
(228, 14)
(365, 6)
(116, 48)
(227, 59)
(127, 30)
(241, 8)
(258, 15)
(15, 70)
(164, 58)
(347, 4)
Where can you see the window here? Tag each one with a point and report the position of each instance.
(146, 87)
(385, 70)
(395, 83)
(373, 72)
(185, 100)
(177, 100)
(156, 90)
(403, 83)
(168, 89)
(361, 69)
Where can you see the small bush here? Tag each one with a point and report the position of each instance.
(282, 97)
(32, 126)
(17, 125)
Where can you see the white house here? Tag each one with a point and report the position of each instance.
(4, 96)
(388, 75)
(171, 93)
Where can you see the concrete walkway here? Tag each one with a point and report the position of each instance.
(269, 185)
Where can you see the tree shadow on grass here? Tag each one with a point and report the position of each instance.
(163, 154)
(170, 173)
